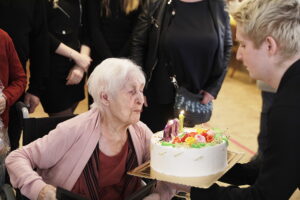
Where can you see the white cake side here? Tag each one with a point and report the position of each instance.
(187, 162)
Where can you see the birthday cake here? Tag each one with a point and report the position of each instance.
(193, 152)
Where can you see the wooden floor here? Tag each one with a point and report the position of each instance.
(237, 109)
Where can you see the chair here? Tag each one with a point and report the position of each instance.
(7, 192)
(34, 128)
(143, 191)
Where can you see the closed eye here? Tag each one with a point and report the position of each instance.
(132, 92)
(241, 44)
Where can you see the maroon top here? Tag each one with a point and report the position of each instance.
(112, 173)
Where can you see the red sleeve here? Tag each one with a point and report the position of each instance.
(17, 77)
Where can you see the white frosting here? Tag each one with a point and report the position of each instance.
(187, 162)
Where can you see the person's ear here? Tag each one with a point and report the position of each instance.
(272, 46)
(104, 98)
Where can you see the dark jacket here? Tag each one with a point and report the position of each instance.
(25, 22)
(65, 24)
(150, 26)
(278, 175)
(109, 35)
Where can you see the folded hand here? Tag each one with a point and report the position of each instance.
(75, 75)
(207, 97)
(83, 61)
(31, 101)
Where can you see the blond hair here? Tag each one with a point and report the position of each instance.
(126, 5)
(279, 19)
(54, 3)
(110, 76)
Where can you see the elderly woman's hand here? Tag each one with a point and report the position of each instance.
(153, 196)
(47, 193)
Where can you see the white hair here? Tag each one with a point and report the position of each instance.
(109, 77)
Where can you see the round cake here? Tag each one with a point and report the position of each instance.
(193, 153)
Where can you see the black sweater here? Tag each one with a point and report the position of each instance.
(109, 35)
(155, 18)
(278, 176)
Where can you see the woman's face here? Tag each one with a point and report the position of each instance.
(126, 105)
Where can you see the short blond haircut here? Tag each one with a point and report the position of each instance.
(110, 76)
(279, 19)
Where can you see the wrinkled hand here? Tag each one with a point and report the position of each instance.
(207, 97)
(171, 128)
(182, 188)
(153, 196)
(47, 193)
(31, 101)
(75, 75)
(2, 104)
(83, 61)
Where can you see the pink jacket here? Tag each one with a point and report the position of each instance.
(61, 156)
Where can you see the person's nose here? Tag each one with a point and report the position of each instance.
(239, 54)
(140, 98)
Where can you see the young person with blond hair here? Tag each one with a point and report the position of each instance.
(269, 37)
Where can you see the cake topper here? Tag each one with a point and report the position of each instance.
(171, 128)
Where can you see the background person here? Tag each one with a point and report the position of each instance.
(69, 57)
(12, 77)
(25, 22)
(188, 38)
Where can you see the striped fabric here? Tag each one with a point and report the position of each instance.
(91, 173)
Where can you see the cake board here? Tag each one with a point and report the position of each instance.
(145, 171)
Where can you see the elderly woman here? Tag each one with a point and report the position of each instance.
(91, 153)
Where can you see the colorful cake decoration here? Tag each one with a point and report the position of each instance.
(177, 136)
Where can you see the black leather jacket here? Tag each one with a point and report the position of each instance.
(150, 26)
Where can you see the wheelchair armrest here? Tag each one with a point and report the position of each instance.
(9, 192)
(22, 108)
(143, 191)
